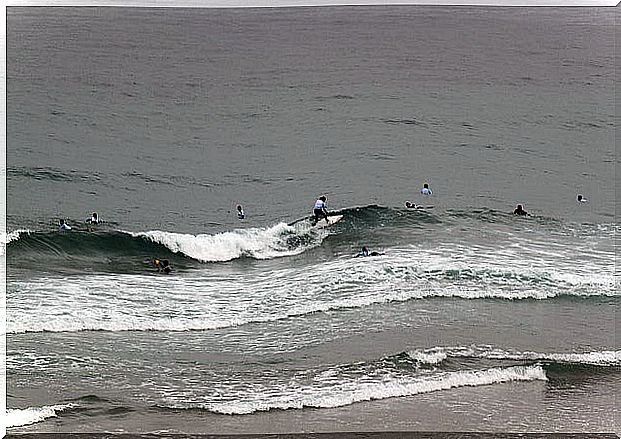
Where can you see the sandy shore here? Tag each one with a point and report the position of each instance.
(338, 435)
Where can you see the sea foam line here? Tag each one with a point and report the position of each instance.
(351, 392)
(204, 302)
(32, 415)
(438, 354)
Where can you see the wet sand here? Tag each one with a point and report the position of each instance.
(339, 435)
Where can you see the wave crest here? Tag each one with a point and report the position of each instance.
(32, 415)
(439, 354)
(353, 391)
(258, 243)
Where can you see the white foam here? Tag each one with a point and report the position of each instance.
(365, 388)
(203, 301)
(32, 415)
(601, 358)
(6, 238)
(596, 358)
(259, 243)
(428, 357)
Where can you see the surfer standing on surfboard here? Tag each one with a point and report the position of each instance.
(320, 210)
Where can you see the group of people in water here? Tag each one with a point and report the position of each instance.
(93, 220)
(320, 212)
(519, 210)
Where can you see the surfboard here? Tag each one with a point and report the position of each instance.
(333, 219)
(410, 205)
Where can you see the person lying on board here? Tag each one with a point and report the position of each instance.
(365, 252)
(581, 199)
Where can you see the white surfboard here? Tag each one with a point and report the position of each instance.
(410, 205)
(331, 220)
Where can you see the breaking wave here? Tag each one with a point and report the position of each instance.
(328, 392)
(32, 415)
(440, 354)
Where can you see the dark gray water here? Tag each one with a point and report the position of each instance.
(163, 120)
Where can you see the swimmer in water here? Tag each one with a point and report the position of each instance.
(520, 211)
(425, 190)
(240, 212)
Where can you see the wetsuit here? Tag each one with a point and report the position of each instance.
(320, 211)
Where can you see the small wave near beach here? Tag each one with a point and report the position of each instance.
(32, 415)
(434, 356)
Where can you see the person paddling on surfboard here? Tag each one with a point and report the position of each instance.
(320, 210)
(365, 252)
(581, 199)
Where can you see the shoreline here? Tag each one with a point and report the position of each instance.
(335, 435)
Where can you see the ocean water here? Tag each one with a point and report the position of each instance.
(163, 120)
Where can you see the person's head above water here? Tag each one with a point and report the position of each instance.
(95, 215)
(579, 197)
(323, 198)
(239, 208)
(426, 185)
